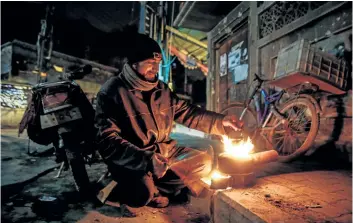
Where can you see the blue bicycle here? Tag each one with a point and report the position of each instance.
(290, 127)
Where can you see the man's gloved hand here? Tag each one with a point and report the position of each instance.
(233, 122)
(159, 165)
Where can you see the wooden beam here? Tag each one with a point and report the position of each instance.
(186, 37)
(253, 36)
(264, 6)
(235, 16)
(299, 23)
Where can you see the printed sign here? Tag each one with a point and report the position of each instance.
(238, 59)
(223, 65)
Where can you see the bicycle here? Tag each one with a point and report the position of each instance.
(290, 127)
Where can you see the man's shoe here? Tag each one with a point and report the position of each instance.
(159, 202)
(127, 212)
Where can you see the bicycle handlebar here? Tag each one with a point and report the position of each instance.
(257, 87)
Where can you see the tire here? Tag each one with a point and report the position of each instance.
(297, 122)
(251, 124)
(236, 109)
(78, 169)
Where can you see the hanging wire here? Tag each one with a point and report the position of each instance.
(167, 65)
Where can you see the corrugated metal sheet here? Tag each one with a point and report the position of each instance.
(190, 48)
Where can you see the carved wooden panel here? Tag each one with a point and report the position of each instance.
(282, 13)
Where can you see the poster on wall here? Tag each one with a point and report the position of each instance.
(234, 59)
(223, 65)
(238, 58)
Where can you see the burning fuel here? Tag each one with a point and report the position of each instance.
(237, 163)
(240, 149)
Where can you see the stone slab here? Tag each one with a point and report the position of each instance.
(291, 197)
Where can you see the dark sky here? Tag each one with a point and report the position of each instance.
(77, 25)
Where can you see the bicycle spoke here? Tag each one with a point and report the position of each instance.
(286, 146)
(290, 145)
(300, 119)
(279, 149)
(304, 126)
(280, 132)
(290, 115)
(278, 137)
(297, 140)
(293, 134)
(301, 113)
(289, 148)
(297, 113)
(294, 145)
(301, 139)
(303, 134)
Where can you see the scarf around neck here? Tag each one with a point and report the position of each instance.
(135, 81)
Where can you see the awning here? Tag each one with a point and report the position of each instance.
(190, 46)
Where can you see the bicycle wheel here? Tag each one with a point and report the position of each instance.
(249, 118)
(297, 135)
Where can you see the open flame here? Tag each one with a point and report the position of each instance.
(240, 149)
(214, 176)
(218, 175)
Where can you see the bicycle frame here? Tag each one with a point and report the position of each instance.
(263, 115)
(269, 101)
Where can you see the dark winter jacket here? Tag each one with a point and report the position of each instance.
(133, 124)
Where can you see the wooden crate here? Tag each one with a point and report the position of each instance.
(300, 62)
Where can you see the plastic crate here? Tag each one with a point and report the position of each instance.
(300, 62)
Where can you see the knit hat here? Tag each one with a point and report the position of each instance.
(142, 48)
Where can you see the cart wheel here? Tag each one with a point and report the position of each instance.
(294, 137)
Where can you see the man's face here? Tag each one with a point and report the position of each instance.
(148, 68)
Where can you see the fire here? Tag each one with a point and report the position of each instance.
(217, 175)
(214, 175)
(240, 149)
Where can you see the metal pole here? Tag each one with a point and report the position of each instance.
(142, 17)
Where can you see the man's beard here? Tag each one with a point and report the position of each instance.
(152, 79)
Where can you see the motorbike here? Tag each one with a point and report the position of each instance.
(59, 113)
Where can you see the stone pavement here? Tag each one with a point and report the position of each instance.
(15, 159)
(319, 179)
(25, 178)
(312, 196)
